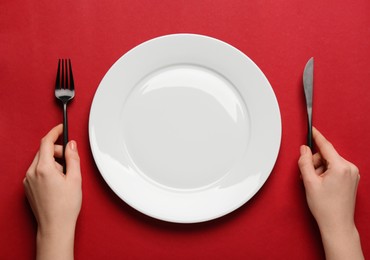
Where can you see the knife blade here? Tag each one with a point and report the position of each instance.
(308, 92)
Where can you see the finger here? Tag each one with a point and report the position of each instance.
(320, 170)
(47, 144)
(58, 151)
(59, 167)
(326, 149)
(72, 161)
(32, 169)
(306, 166)
(318, 160)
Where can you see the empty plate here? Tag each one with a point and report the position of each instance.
(185, 128)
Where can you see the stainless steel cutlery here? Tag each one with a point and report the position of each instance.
(64, 91)
(308, 91)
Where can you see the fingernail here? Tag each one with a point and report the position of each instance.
(73, 145)
(303, 149)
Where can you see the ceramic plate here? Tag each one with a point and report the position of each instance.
(185, 128)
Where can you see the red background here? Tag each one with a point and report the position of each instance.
(279, 35)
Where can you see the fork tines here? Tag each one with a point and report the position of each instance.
(66, 80)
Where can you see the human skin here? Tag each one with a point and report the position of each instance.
(54, 197)
(331, 184)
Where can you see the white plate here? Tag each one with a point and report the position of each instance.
(185, 128)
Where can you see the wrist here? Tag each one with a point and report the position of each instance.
(341, 242)
(52, 232)
(60, 230)
(339, 232)
(334, 229)
(55, 242)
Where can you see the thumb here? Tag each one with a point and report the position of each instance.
(305, 164)
(72, 160)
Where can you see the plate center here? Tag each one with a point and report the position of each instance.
(184, 127)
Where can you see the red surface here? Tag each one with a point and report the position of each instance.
(280, 36)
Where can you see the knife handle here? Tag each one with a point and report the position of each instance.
(309, 134)
(309, 138)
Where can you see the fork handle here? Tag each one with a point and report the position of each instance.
(65, 134)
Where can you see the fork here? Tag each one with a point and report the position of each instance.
(64, 91)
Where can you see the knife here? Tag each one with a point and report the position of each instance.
(308, 91)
